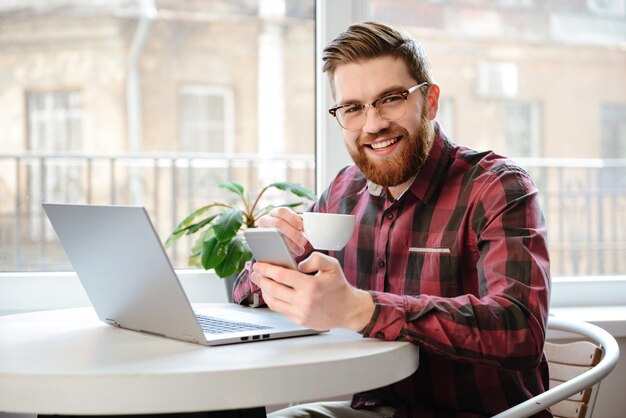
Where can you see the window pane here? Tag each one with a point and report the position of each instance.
(543, 83)
(107, 103)
(206, 117)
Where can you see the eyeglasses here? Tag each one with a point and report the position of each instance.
(392, 106)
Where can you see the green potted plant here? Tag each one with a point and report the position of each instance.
(220, 244)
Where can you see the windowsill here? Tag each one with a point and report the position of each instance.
(599, 300)
(27, 292)
(609, 318)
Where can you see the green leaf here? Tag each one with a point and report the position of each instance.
(192, 229)
(183, 227)
(174, 236)
(213, 252)
(228, 224)
(196, 249)
(296, 189)
(233, 187)
(236, 254)
(194, 261)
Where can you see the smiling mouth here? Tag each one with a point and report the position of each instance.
(384, 144)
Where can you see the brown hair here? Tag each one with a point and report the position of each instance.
(370, 40)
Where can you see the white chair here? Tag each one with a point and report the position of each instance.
(576, 370)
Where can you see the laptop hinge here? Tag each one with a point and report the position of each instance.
(152, 333)
(111, 322)
(190, 338)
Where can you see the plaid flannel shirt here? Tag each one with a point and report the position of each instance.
(457, 265)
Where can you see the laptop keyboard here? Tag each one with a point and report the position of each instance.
(213, 325)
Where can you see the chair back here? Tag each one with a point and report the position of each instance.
(576, 370)
(565, 362)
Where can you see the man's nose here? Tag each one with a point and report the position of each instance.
(373, 122)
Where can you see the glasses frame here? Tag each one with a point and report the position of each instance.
(374, 104)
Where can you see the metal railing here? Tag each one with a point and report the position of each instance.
(583, 200)
(584, 203)
(169, 185)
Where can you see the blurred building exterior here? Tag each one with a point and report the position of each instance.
(154, 103)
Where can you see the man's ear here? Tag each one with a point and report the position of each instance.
(433, 101)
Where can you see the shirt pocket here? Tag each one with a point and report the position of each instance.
(432, 270)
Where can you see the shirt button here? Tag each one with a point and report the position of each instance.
(389, 215)
(381, 264)
(380, 335)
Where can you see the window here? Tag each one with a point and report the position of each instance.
(521, 129)
(551, 76)
(613, 126)
(54, 126)
(496, 80)
(114, 103)
(547, 87)
(54, 121)
(612, 184)
(206, 119)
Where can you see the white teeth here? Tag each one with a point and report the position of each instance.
(384, 144)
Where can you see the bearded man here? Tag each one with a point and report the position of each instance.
(449, 251)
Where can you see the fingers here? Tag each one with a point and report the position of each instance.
(278, 275)
(319, 262)
(275, 283)
(322, 301)
(290, 225)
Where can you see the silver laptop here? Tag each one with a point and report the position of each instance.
(130, 282)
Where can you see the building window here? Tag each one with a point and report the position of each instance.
(206, 119)
(54, 122)
(497, 80)
(613, 126)
(522, 129)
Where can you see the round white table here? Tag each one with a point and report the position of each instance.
(68, 362)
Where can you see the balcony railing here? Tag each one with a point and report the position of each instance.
(584, 200)
(584, 203)
(169, 185)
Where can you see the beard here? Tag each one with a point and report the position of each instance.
(400, 167)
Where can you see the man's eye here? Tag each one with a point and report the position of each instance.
(391, 99)
(352, 109)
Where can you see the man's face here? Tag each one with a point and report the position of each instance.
(387, 152)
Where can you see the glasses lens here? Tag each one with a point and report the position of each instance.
(351, 117)
(391, 107)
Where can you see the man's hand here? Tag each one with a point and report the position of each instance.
(321, 301)
(290, 226)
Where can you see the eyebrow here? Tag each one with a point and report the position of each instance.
(389, 90)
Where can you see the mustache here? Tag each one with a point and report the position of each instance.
(384, 133)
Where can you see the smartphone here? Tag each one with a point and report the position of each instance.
(268, 246)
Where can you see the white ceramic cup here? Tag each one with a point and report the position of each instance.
(328, 231)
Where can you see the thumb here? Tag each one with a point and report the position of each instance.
(316, 262)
